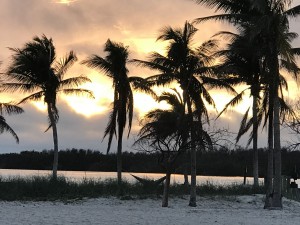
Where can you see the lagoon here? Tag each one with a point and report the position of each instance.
(78, 176)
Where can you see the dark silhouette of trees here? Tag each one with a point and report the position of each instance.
(266, 21)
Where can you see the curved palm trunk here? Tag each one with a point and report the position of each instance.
(55, 140)
(255, 151)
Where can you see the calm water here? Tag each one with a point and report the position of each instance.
(80, 175)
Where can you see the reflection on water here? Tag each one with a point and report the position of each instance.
(80, 175)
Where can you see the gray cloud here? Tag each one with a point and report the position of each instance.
(84, 26)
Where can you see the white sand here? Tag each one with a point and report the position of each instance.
(210, 210)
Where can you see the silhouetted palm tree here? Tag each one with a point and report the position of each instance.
(114, 66)
(267, 21)
(190, 68)
(241, 64)
(34, 70)
(166, 131)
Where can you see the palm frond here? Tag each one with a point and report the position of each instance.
(230, 18)
(243, 125)
(4, 127)
(19, 87)
(64, 64)
(33, 97)
(79, 92)
(99, 63)
(293, 12)
(129, 107)
(74, 82)
(141, 84)
(10, 108)
(233, 102)
(111, 127)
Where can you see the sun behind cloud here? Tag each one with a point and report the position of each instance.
(66, 2)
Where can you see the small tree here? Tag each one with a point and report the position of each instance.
(165, 131)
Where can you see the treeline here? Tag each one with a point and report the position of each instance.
(221, 162)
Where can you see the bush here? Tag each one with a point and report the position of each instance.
(45, 188)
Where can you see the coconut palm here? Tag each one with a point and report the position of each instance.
(34, 70)
(266, 21)
(114, 66)
(241, 64)
(165, 131)
(190, 68)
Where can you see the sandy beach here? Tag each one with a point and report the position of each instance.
(241, 210)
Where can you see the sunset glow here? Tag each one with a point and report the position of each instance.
(67, 2)
(86, 107)
(83, 26)
(40, 106)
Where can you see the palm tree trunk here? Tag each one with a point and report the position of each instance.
(255, 151)
(269, 180)
(277, 198)
(186, 169)
(55, 141)
(193, 200)
(165, 200)
(119, 165)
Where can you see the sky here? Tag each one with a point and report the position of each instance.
(84, 26)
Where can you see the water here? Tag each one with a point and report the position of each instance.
(80, 175)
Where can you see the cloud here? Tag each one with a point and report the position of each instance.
(84, 26)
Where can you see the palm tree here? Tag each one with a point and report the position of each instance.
(34, 70)
(241, 64)
(10, 109)
(165, 131)
(114, 66)
(266, 21)
(190, 68)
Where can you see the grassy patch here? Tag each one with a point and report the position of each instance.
(45, 188)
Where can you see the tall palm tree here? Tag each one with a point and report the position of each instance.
(267, 21)
(10, 109)
(34, 70)
(114, 66)
(241, 65)
(190, 68)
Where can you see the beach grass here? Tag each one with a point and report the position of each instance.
(46, 189)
